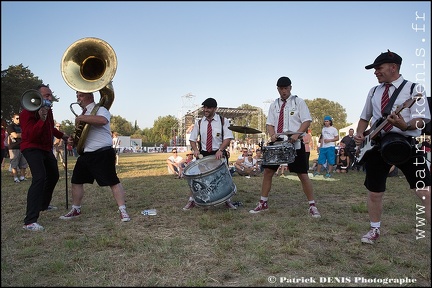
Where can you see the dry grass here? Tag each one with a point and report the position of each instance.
(214, 246)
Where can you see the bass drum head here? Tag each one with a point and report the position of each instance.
(395, 148)
(203, 166)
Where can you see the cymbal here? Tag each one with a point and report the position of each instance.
(289, 133)
(244, 129)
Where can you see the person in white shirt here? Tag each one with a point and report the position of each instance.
(294, 115)
(327, 150)
(97, 161)
(174, 163)
(238, 165)
(247, 166)
(406, 125)
(216, 126)
(116, 145)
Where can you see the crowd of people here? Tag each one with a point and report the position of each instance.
(35, 141)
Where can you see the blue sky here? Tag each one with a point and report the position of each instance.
(173, 55)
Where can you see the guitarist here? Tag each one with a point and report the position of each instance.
(407, 123)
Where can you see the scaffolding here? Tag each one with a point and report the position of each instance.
(190, 112)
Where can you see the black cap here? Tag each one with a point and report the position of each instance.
(387, 57)
(283, 82)
(210, 102)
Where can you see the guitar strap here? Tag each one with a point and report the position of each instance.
(387, 109)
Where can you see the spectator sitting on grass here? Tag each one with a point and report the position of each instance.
(174, 163)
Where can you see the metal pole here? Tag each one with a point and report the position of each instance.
(66, 173)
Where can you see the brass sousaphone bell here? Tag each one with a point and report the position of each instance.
(89, 65)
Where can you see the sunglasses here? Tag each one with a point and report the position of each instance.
(17, 118)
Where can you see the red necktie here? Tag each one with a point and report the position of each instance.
(281, 118)
(209, 137)
(384, 100)
(84, 111)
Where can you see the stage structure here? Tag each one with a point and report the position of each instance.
(236, 116)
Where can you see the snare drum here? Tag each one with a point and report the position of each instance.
(210, 181)
(283, 153)
(395, 148)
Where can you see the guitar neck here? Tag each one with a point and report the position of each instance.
(378, 129)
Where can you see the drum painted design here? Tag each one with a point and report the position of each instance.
(282, 153)
(210, 181)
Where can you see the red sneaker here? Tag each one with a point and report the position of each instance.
(72, 214)
(262, 206)
(189, 205)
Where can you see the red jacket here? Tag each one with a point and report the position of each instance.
(37, 133)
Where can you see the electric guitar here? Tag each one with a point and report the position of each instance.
(371, 135)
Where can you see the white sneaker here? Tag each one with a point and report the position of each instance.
(33, 227)
(313, 211)
(124, 216)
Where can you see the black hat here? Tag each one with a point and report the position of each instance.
(210, 102)
(283, 82)
(387, 57)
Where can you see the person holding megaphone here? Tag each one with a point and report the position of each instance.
(37, 125)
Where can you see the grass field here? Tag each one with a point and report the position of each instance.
(214, 246)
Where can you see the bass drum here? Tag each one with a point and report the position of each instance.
(395, 148)
(210, 181)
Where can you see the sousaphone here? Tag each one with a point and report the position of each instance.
(89, 65)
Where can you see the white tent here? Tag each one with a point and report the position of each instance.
(344, 131)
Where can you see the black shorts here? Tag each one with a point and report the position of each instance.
(415, 170)
(299, 165)
(98, 165)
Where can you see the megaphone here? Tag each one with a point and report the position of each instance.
(32, 100)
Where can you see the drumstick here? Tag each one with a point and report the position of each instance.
(200, 156)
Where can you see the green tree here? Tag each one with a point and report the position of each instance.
(148, 137)
(67, 127)
(163, 129)
(321, 107)
(122, 126)
(14, 82)
(254, 120)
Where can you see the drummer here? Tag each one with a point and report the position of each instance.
(217, 126)
(288, 113)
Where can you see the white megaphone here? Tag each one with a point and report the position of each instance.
(32, 100)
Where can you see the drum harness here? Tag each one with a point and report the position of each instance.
(224, 152)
